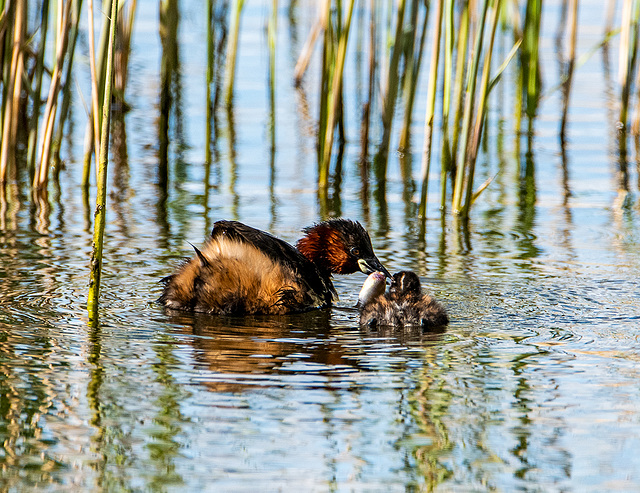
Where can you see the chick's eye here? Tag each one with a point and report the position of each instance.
(355, 252)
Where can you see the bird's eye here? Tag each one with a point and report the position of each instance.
(355, 252)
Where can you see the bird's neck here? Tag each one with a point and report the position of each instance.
(323, 247)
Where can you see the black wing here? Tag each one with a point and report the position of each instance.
(279, 251)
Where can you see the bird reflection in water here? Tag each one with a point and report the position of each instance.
(241, 351)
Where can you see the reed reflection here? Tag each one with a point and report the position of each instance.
(408, 191)
(382, 212)
(10, 203)
(111, 443)
(524, 407)
(430, 403)
(567, 225)
(233, 166)
(526, 216)
(169, 73)
(364, 191)
(637, 145)
(217, 29)
(165, 445)
(271, 123)
(25, 397)
(41, 211)
(121, 173)
(329, 198)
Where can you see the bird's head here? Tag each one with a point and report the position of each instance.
(340, 246)
(405, 283)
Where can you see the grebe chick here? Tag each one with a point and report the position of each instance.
(404, 304)
(242, 270)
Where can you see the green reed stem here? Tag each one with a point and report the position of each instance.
(390, 96)
(481, 112)
(326, 73)
(32, 145)
(458, 96)
(93, 130)
(168, 29)
(628, 54)
(430, 113)
(334, 106)
(95, 95)
(121, 64)
(468, 111)
(531, 39)
(66, 94)
(101, 196)
(40, 179)
(410, 83)
(10, 122)
(445, 163)
(232, 51)
(209, 76)
(573, 35)
(271, 41)
(366, 112)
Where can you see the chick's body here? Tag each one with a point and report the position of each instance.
(404, 304)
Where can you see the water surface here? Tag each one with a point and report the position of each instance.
(533, 386)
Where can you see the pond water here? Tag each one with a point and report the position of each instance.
(533, 386)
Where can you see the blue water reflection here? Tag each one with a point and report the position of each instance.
(533, 386)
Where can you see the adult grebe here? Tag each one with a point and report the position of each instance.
(404, 304)
(242, 270)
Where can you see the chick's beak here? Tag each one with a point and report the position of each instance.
(369, 265)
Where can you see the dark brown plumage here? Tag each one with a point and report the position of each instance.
(404, 304)
(242, 270)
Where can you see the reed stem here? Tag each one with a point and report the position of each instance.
(391, 92)
(62, 35)
(209, 76)
(481, 112)
(309, 44)
(32, 145)
(411, 81)
(92, 133)
(325, 88)
(468, 111)
(271, 41)
(531, 38)
(66, 95)
(232, 51)
(101, 195)
(458, 96)
(334, 106)
(430, 113)
(366, 111)
(10, 122)
(94, 83)
(628, 55)
(445, 160)
(566, 86)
